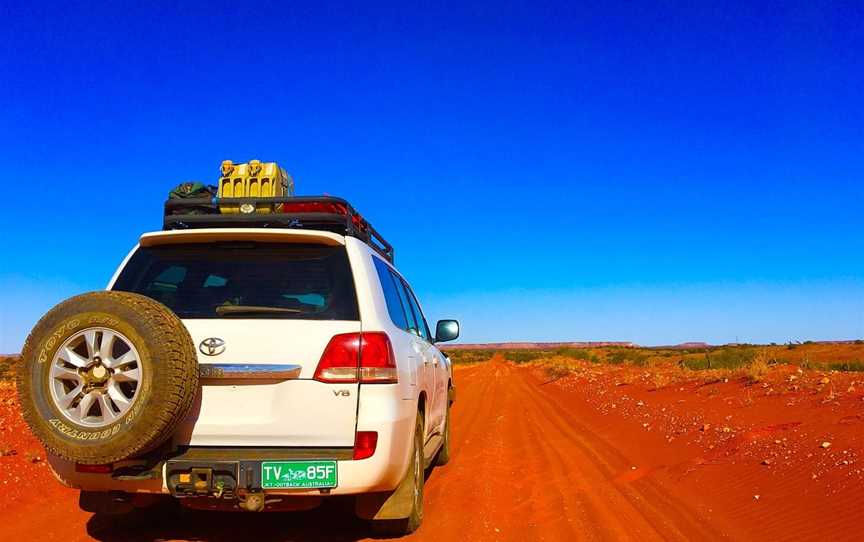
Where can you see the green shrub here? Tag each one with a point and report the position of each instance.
(523, 356)
(848, 366)
(697, 364)
(731, 357)
(627, 355)
(468, 356)
(576, 353)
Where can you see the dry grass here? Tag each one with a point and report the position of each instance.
(6, 367)
(556, 371)
(758, 366)
(661, 380)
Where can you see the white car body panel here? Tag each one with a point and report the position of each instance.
(271, 414)
(303, 412)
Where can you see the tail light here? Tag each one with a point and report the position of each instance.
(351, 356)
(340, 360)
(377, 361)
(365, 443)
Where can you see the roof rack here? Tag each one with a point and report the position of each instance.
(303, 212)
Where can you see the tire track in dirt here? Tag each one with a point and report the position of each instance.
(639, 510)
(480, 472)
(564, 488)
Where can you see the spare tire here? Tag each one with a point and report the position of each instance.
(106, 376)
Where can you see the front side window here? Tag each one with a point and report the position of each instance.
(245, 280)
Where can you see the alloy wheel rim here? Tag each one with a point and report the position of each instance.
(95, 377)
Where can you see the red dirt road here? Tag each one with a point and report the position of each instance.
(588, 457)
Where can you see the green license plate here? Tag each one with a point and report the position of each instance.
(287, 474)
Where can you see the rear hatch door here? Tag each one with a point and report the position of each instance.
(263, 411)
(264, 306)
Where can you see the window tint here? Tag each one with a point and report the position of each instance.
(306, 282)
(215, 282)
(391, 296)
(409, 313)
(168, 279)
(401, 303)
(423, 328)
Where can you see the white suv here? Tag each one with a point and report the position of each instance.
(319, 375)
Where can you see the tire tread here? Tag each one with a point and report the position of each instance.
(170, 401)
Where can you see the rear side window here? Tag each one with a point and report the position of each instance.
(391, 296)
(245, 280)
(409, 313)
(422, 328)
(401, 303)
(399, 300)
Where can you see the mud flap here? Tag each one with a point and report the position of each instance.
(394, 504)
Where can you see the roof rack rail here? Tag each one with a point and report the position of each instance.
(299, 212)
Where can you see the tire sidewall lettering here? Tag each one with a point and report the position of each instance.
(58, 335)
(154, 331)
(64, 428)
(78, 434)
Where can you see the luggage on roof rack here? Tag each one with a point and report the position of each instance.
(254, 179)
(304, 212)
(261, 195)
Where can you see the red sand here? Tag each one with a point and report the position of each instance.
(609, 453)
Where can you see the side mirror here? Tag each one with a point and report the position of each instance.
(446, 330)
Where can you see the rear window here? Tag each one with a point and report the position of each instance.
(245, 280)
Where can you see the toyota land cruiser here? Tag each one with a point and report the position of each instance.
(261, 352)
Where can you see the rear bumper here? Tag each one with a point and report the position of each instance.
(392, 418)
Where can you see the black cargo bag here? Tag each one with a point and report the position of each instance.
(193, 190)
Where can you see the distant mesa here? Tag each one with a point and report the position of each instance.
(538, 346)
(687, 346)
(692, 345)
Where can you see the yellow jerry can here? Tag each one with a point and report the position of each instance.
(254, 179)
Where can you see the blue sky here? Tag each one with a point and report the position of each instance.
(545, 171)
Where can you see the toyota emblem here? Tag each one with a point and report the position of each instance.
(212, 346)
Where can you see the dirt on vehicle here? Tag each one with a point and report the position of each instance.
(593, 452)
